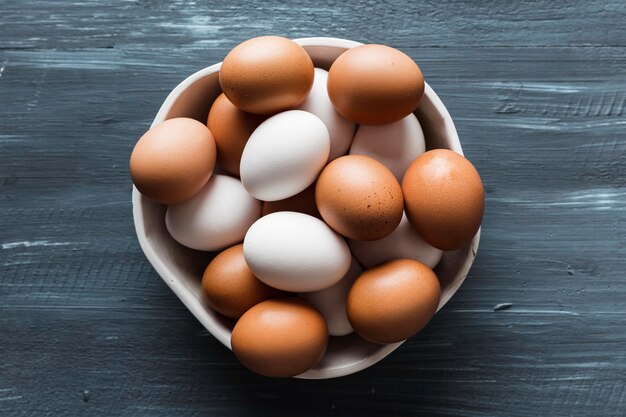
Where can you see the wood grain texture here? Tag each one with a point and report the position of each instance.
(537, 90)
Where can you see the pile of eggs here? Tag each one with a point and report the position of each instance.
(317, 191)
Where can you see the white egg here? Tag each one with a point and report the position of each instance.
(217, 217)
(317, 102)
(404, 242)
(284, 155)
(395, 145)
(295, 252)
(331, 302)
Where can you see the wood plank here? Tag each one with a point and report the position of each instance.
(199, 26)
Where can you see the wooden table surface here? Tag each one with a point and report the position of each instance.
(537, 90)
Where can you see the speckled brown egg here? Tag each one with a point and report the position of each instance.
(444, 198)
(231, 129)
(173, 160)
(359, 198)
(393, 301)
(375, 84)
(303, 202)
(267, 75)
(230, 286)
(280, 337)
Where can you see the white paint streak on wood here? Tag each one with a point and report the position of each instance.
(11, 398)
(29, 244)
(597, 199)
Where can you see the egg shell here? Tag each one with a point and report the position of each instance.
(229, 285)
(295, 252)
(404, 242)
(231, 129)
(317, 102)
(445, 199)
(267, 75)
(280, 337)
(395, 145)
(284, 155)
(375, 84)
(331, 302)
(359, 197)
(173, 160)
(217, 217)
(393, 301)
(303, 202)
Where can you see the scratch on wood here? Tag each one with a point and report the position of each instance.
(530, 98)
(525, 311)
(620, 107)
(502, 306)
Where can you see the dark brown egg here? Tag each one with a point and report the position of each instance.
(230, 286)
(444, 198)
(173, 161)
(375, 84)
(267, 75)
(303, 202)
(393, 301)
(231, 129)
(359, 198)
(280, 337)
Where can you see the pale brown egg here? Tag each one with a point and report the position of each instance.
(230, 286)
(359, 198)
(280, 337)
(393, 301)
(444, 198)
(303, 202)
(231, 129)
(267, 75)
(375, 84)
(173, 161)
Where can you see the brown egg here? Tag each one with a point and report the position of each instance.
(359, 198)
(393, 301)
(231, 129)
(280, 337)
(375, 84)
(303, 202)
(267, 75)
(444, 198)
(230, 286)
(173, 161)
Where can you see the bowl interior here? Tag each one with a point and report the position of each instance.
(181, 268)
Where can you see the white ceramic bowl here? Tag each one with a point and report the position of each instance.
(181, 268)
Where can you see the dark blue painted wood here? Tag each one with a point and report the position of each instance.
(538, 92)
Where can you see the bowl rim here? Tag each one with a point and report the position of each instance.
(197, 308)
